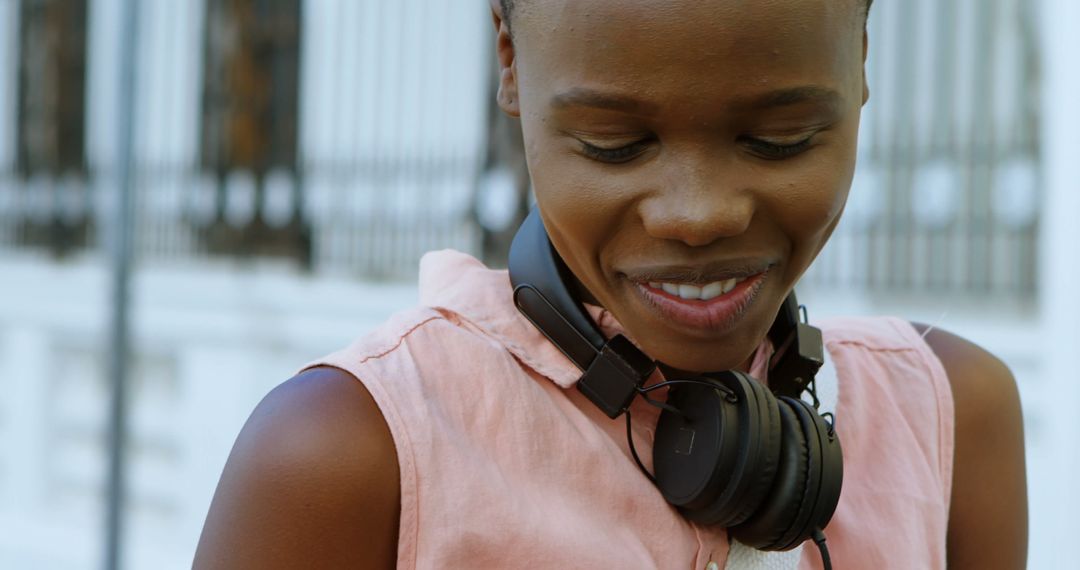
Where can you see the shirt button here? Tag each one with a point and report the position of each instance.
(712, 566)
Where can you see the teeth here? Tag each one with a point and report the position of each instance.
(712, 290)
(703, 293)
(689, 291)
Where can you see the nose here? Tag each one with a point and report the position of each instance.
(698, 206)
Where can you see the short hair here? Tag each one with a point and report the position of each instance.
(508, 10)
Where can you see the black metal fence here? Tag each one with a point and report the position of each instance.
(320, 133)
(947, 196)
(352, 136)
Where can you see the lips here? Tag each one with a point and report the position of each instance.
(700, 307)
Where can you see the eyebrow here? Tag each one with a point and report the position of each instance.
(584, 97)
(794, 96)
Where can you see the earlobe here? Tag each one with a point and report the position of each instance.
(507, 96)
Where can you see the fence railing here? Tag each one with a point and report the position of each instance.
(393, 142)
(947, 194)
(389, 108)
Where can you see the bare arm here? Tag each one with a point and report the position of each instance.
(312, 482)
(988, 522)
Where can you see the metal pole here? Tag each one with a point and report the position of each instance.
(121, 243)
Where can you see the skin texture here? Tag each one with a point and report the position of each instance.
(988, 517)
(312, 482)
(701, 192)
(697, 188)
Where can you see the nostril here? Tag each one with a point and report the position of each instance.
(699, 228)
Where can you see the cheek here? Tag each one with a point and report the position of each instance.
(812, 206)
(578, 203)
(579, 210)
(815, 204)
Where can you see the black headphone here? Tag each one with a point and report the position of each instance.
(727, 451)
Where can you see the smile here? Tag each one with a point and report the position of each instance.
(699, 292)
(710, 308)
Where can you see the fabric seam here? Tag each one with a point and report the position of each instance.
(410, 511)
(401, 339)
(407, 549)
(871, 347)
(509, 346)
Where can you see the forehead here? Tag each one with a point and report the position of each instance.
(687, 46)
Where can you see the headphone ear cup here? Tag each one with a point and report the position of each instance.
(750, 486)
(771, 522)
(807, 485)
(721, 477)
(692, 454)
(832, 476)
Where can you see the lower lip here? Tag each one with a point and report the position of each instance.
(719, 314)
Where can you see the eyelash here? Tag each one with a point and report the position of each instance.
(614, 155)
(761, 148)
(771, 151)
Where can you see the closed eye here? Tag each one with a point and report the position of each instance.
(616, 155)
(762, 148)
(776, 151)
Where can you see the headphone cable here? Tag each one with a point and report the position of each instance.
(819, 540)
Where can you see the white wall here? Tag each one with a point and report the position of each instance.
(388, 90)
(210, 342)
(1055, 505)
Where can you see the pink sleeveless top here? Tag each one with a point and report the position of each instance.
(505, 464)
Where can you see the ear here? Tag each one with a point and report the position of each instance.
(507, 96)
(865, 81)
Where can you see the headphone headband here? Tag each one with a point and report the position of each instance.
(544, 296)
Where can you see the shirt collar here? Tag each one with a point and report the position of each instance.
(459, 284)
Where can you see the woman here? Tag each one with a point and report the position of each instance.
(690, 158)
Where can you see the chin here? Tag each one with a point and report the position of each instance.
(697, 357)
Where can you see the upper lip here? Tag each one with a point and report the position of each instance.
(698, 273)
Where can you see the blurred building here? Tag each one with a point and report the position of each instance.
(304, 131)
(294, 158)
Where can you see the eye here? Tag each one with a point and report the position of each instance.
(616, 155)
(776, 151)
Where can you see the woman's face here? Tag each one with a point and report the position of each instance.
(689, 157)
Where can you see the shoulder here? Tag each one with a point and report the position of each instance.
(984, 390)
(988, 512)
(313, 476)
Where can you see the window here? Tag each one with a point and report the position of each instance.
(250, 93)
(52, 77)
(249, 127)
(50, 141)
